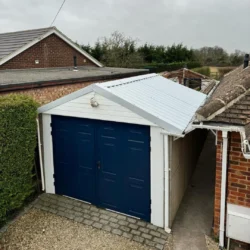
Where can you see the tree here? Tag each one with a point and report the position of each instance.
(120, 51)
(179, 53)
(236, 58)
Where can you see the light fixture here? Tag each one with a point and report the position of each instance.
(93, 102)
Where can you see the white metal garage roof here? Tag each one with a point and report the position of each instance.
(167, 104)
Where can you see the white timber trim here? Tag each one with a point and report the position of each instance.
(50, 32)
(48, 154)
(65, 99)
(166, 184)
(156, 174)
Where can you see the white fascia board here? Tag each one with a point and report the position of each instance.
(159, 122)
(65, 99)
(25, 47)
(59, 34)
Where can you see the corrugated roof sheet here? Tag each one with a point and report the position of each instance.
(167, 104)
(10, 42)
(172, 103)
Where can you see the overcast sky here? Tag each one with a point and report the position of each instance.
(194, 23)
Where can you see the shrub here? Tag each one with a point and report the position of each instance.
(161, 67)
(203, 70)
(17, 147)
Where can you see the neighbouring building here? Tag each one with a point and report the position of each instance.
(125, 145)
(227, 113)
(190, 78)
(46, 64)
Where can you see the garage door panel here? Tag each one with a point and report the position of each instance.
(105, 163)
(109, 157)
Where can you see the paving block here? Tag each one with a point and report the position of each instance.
(127, 235)
(117, 231)
(112, 219)
(104, 216)
(141, 223)
(147, 236)
(133, 226)
(159, 240)
(155, 233)
(124, 228)
(131, 220)
(114, 225)
(135, 232)
(105, 222)
(88, 222)
(94, 218)
(143, 229)
(123, 223)
(78, 219)
(138, 239)
(121, 217)
(97, 225)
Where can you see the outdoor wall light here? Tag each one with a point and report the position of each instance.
(93, 102)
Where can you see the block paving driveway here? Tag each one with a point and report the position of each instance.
(130, 229)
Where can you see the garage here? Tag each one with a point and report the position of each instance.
(113, 144)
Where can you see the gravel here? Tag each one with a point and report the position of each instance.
(211, 244)
(40, 230)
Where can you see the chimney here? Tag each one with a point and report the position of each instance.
(246, 61)
(75, 62)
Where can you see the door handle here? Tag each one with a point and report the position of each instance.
(98, 164)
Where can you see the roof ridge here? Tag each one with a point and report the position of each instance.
(13, 32)
(135, 80)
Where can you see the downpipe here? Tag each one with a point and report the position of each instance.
(223, 188)
(244, 147)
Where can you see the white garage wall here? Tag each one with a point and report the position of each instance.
(107, 110)
(184, 154)
(157, 177)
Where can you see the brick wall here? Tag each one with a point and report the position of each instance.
(238, 178)
(51, 52)
(48, 94)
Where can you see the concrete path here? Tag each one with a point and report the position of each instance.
(195, 216)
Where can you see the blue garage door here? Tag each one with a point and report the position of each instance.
(104, 163)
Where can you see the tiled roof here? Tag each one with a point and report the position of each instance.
(230, 102)
(10, 42)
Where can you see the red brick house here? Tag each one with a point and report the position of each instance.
(42, 63)
(227, 112)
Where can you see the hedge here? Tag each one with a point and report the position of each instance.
(17, 147)
(161, 67)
